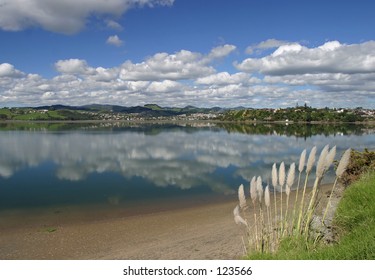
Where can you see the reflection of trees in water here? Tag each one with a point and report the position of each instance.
(296, 129)
(302, 130)
(147, 128)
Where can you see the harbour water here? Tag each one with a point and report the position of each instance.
(128, 169)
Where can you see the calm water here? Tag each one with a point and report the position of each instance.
(104, 165)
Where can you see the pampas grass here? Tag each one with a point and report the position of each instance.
(237, 217)
(309, 166)
(275, 179)
(320, 166)
(320, 171)
(241, 197)
(281, 184)
(288, 186)
(302, 161)
(301, 167)
(341, 168)
(253, 190)
(330, 158)
(254, 195)
(269, 229)
(343, 164)
(267, 202)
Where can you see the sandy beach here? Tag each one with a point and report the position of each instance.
(206, 231)
(180, 231)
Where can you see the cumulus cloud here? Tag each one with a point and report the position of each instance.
(268, 44)
(224, 78)
(68, 16)
(331, 57)
(220, 52)
(8, 70)
(114, 40)
(332, 74)
(164, 86)
(178, 66)
(73, 66)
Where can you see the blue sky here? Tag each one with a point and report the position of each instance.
(253, 53)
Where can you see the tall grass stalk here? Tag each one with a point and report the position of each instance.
(325, 160)
(341, 168)
(281, 184)
(267, 202)
(301, 167)
(241, 197)
(275, 180)
(261, 214)
(253, 195)
(309, 166)
(321, 168)
(288, 186)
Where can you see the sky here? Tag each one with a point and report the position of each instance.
(205, 53)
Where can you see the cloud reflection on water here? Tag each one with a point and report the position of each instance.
(170, 158)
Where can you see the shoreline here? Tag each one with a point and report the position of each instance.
(202, 230)
(369, 122)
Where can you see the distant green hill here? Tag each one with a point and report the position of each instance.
(151, 111)
(98, 112)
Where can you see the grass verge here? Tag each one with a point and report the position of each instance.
(354, 223)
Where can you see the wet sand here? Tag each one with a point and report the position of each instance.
(199, 232)
(202, 231)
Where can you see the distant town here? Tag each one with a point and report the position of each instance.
(154, 112)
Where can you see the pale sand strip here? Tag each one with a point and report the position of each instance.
(202, 232)
(206, 231)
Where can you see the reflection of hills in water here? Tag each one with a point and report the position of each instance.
(299, 130)
(303, 130)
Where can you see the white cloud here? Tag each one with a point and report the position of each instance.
(114, 40)
(164, 86)
(220, 51)
(332, 74)
(179, 66)
(224, 78)
(105, 75)
(268, 44)
(332, 57)
(68, 16)
(73, 66)
(8, 70)
(113, 24)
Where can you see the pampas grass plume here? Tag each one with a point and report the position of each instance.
(330, 158)
(320, 166)
(343, 164)
(291, 175)
(302, 160)
(311, 160)
(267, 196)
(259, 188)
(274, 176)
(253, 189)
(237, 217)
(282, 174)
(241, 197)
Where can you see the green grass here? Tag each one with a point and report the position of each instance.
(355, 224)
(31, 116)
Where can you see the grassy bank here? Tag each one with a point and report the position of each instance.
(354, 223)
